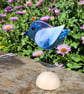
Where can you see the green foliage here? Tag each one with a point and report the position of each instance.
(72, 15)
(3, 3)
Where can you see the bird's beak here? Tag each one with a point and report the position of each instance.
(26, 33)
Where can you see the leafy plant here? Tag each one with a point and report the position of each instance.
(71, 14)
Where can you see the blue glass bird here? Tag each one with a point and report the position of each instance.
(45, 35)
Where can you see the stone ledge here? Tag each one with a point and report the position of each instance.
(18, 75)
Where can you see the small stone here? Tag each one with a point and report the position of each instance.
(48, 81)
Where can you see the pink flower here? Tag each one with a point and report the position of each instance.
(81, 2)
(82, 39)
(82, 27)
(7, 8)
(8, 27)
(57, 65)
(40, 2)
(49, 8)
(57, 11)
(24, 11)
(63, 49)
(14, 18)
(2, 15)
(28, 3)
(20, 12)
(45, 18)
(52, 18)
(10, 1)
(37, 53)
(18, 7)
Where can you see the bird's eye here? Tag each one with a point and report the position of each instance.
(33, 28)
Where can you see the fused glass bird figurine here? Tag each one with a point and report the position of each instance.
(45, 35)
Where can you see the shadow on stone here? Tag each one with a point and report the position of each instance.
(46, 64)
(10, 63)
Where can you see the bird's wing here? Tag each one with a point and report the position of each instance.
(42, 38)
(56, 31)
(60, 39)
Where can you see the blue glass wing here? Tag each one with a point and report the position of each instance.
(46, 37)
(60, 39)
(56, 31)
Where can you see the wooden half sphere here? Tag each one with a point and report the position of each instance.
(48, 81)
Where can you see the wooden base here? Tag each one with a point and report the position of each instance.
(48, 81)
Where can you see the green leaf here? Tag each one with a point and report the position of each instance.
(74, 44)
(76, 57)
